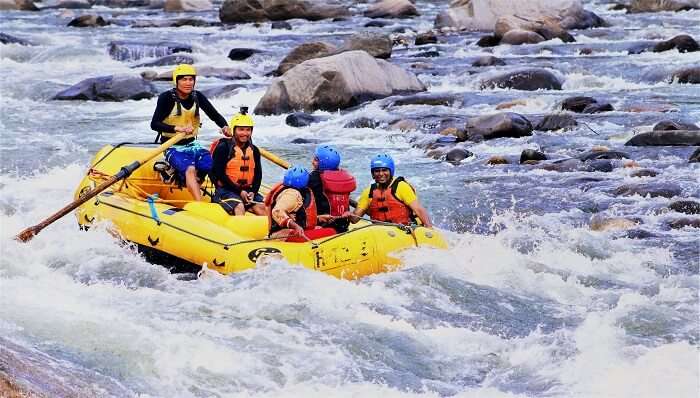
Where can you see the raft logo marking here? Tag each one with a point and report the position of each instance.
(253, 255)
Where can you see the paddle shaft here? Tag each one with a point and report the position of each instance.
(285, 165)
(123, 173)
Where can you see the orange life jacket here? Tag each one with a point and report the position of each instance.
(384, 206)
(337, 186)
(240, 167)
(305, 216)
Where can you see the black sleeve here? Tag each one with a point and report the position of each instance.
(316, 186)
(218, 170)
(209, 109)
(257, 176)
(163, 107)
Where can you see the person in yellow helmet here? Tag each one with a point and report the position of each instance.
(177, 111)
(237, 169)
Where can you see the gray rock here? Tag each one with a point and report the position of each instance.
(377, 24)
(685, 206)
(134, 50)
(427, 54)
(530, 155)
(303, 53)
(336, 82)
(528, 79)
(644, 173)
(283, 25)
(689, 75)
(598, 107)
(240, 54)
(488, 60)
(241, 11)
(456, 155)
(595, 155)
(175, 59)
(666, 138)
(392, 9)
(666, 125)
(88, 21)
(18, 5)
(507, 124)
(600, 165)
(69, 4)
(683, 43)
(300, 119)
(520, 36)
(662, 5)
(301, 141)
(222, 73)
(685, 222)
(109, 88)
(362, 122)
(425, 99)
(577, 104)
(375, 44)
(557, 121)
(666, 190)
(425, 38)
(488, 41)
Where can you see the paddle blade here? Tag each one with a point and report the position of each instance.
(27, 234)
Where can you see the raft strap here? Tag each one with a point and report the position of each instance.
(151, 204)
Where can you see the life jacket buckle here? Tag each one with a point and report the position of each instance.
(244, 168)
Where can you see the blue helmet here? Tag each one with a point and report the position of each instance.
(328, 158)
(296, 177)
(382, 161)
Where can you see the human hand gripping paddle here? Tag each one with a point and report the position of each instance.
(123, 173)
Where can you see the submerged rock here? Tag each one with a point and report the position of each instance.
(528, 155)
(88, 21)
(109, 88)
(602, 154)
(528, 79)
(375, 44)
(301, 119)
(336, 82)
(644, 173)
(507, 124)
(456, 155)
(685, 222)
(662, 5)
(683, 43)
(284, 25)
(685, 206)
(488, 60)
(557, 121)
(425, 38)
(8, 39)
(695, 156)
(686, 75)
(666, 125)
(133, 50)
(362, 122)
(175, 59)
(240, 54)
(666, 190)
(666, 138)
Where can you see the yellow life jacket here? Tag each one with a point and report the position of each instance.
(180, 116)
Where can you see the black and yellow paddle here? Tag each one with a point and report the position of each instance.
(123, 173)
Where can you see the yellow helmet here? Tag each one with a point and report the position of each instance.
(242, 119)
(183, 70)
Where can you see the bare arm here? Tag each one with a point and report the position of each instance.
(422, 214)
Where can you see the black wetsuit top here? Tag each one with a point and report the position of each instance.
(218, 170)
(166, 101)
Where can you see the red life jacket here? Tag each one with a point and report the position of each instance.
(240, 167)
(305, 216)
(337, 186)
(384, 206)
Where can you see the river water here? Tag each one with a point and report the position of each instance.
(528, 301)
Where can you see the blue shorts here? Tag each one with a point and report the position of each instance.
(222, 195)
(183, 156)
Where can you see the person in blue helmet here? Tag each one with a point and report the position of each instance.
(291, 207)
(331, 187)
(390, 199)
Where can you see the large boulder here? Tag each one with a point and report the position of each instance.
(303, 53)
(109, 88)
(123, 50)
(506, 124)
(547, 27)
(336, 82)
(18, 5)
(391, 9)
(662, 5)
(483, 14)
(666, 138)
(375, 44)
(187, 5)
(526, 79)
(238, 11)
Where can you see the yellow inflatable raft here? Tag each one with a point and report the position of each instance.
(163, 218)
